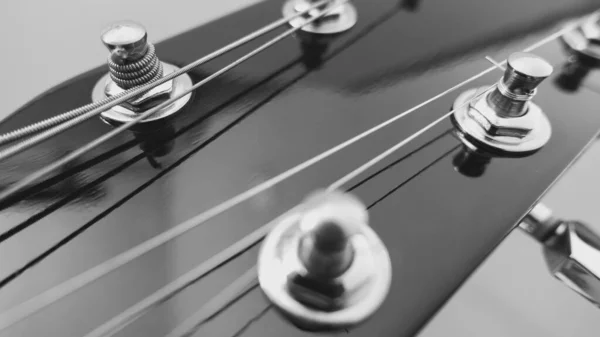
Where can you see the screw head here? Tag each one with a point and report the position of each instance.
(127, 41)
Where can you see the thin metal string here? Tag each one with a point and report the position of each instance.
(215, 305)
(253, 320)
(84, 149)
(94, 109)
(33, 305)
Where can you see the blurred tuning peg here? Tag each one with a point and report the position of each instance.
(315, 37)
(322, 265)
(571, 250)
(584, 41)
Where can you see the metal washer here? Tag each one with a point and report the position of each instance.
(348, 17)
(120, 115)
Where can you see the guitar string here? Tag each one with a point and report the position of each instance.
(47, 297)
(40, 137)
(39, 258)
(228, 296)
(178, 285)
(18, 186)
(217, 304)
(88, 224)
(94, 109)
(253, 320)
(29, 307)
(23, 225)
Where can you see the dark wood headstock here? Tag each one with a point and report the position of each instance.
(439, 209)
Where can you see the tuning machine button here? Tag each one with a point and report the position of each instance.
(322, 266)
(341, 16)
(133, 62)
(504, 120)
(571, 251)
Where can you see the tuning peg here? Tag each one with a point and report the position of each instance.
(571, 250)
(133, 62)
(322, 266)
(524, 72)
(504, 120)
(584, 41)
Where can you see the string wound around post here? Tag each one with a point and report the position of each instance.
(323, 267)
(133, 62)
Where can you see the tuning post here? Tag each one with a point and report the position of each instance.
(571, 250)
(133, 62)
(322, 266)
(504, 120)
(341, 16)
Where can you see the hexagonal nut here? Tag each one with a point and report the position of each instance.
(495, 125)
(148, 100)
(338, 293)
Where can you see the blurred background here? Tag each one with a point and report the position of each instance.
(511, 294)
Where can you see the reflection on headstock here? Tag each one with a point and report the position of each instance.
(68, 181)
(471, 163)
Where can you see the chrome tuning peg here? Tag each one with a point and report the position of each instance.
(133, 62)
(322, 266)
(571, 250)
(504, 120)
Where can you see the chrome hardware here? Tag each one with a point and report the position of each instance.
(505, 121)
(322, 266)
(133, 62)
(584, 40)
(340, 19)
(571, 250)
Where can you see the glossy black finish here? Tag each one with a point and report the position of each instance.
(271, 113)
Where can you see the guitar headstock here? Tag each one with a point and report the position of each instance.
(433, 126)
